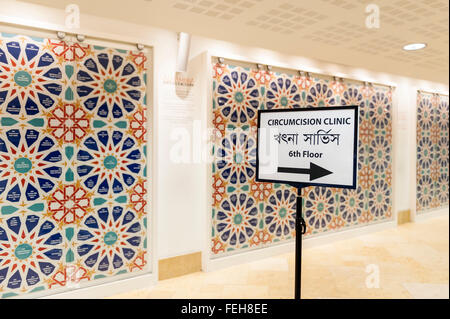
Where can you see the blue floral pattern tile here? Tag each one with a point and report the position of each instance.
(432, 152)
(73, 162)
(270, 209)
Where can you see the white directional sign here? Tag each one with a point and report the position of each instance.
(312, 146)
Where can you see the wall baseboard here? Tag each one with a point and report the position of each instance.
(267, 252)
(108, 289)
(179, 265)
(404, 217)
(431, 214)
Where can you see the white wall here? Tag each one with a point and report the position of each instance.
(180, 190)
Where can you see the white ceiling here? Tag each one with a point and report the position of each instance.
(330, 30)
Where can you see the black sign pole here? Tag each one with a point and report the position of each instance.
(300, 229)
(315, 172)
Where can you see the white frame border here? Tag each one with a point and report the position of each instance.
(104, 287)
(429, 213)
(211, 262)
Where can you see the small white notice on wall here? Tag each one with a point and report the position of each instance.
(312, 146)
(178, 98)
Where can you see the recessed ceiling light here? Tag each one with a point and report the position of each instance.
(414, 46)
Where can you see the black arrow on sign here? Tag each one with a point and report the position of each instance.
(314, 171)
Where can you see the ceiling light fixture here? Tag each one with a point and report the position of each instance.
(414, 46)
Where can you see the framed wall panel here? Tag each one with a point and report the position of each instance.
(250, 215)
(432, 133)
(73, 164)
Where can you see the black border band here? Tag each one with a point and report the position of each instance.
(309, 109)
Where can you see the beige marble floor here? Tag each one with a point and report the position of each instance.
(412, 261)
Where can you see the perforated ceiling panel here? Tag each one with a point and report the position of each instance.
(287, 18)
(223, 9)
(331, 30)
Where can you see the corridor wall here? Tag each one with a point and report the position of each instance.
(73, 164)
(247, 214)
(183, 220)
(432, 164)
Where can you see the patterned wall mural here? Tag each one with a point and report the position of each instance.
(432, 152)
(247, 214)
(72, 164)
